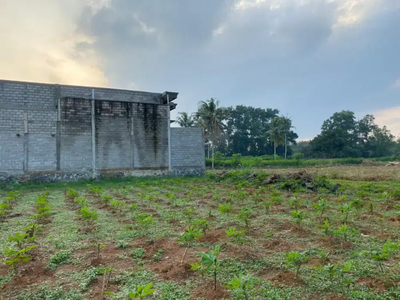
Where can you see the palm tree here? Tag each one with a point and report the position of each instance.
(184, 120)
(210, 117)
(280, 127)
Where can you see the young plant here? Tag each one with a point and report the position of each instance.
(11, 198)
(245, 215)
(209, 263)
(139, 293)
(30, 230)
(21, 239)
(71, 194)
(191, 234)
(344, 231)
(296, 259)
(226, 208)
(202, 224)
(267, 205)
(16, 257)
(385, 253)
(142, 291)
(233, 233)
(188, 213)
(144, 219)
(81, 201)
(3, 209)
(242, 285)
(320, 206)
(326, 228)
(298, 216)
(345, 210)
(95, 190)
(118, 206)
(107, 199)
(89, 216)
(133, 208)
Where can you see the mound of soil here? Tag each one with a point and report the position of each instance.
(285, 278)
(208, 291)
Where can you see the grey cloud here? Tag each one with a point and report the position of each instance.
(287, 58)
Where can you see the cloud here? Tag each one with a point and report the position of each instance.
(389, 117)
(396, 84)
(39, 43)
(308, 58)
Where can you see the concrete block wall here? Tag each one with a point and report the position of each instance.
(150, 136)
(113, 135)
(75, 135)
(187, 151)
(38, 137)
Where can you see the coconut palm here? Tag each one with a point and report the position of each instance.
(184, 120)
(280, 127)
(210, 117)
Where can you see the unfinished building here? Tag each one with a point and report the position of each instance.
(51, 132)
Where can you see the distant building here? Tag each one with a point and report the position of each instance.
(58, 132)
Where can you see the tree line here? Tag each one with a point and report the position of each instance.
(251, 131)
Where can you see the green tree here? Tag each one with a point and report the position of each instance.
(338, 137)
(246, 127)
(185, 120)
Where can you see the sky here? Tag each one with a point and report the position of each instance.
(307, 58)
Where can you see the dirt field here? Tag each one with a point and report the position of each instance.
(336, 238)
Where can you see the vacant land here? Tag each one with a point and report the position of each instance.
(291, 236)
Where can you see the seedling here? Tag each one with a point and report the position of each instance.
(133, 208)
(30, 230)
(11, 198)
(298, 216)
(267, 205)
(233, 233)
(142, 291)
(242, 285)
(209, 263)
(15, 257)
(191, 234)
(98, 247)
(326, 228)
(226, 208)
(107, 199)
(296, 259)
(88, 215)
(81, 201)
(345, 210)
(344, 231)
(96, 190)
(3, 209)
(188, 213)
(72, 194)
(158, 255)
(244, 215)
(21, 239)
(202, 223)
(143, 219)
(387, 250)
(118, 206)
(357, 203)
(320, 206)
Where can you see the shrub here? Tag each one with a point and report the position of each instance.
(59, 258)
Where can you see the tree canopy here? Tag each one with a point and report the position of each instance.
(251, 131)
